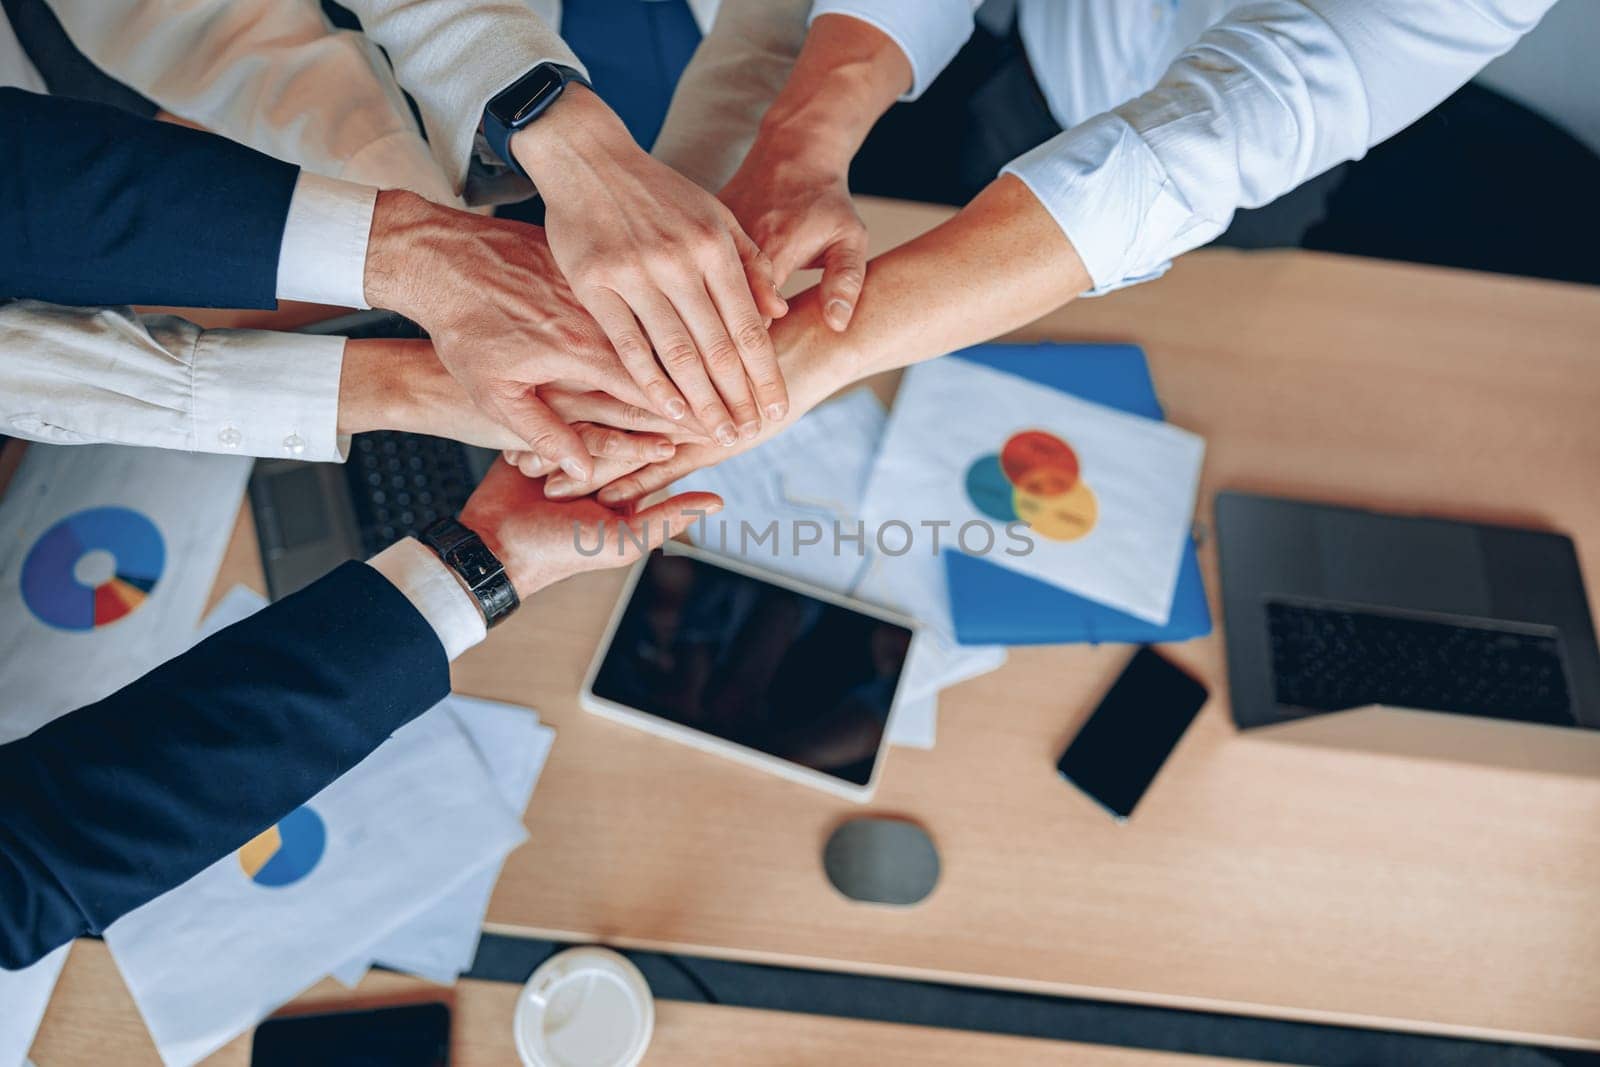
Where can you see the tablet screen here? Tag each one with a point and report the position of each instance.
(757, 664)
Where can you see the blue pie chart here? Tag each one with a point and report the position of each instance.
(287, 852)
(51, 588)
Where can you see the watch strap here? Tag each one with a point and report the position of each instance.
(479, 569)
(498, 133)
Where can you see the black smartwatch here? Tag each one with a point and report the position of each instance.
(484, 575)
(521, 102)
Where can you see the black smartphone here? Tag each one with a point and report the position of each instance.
(1116, 755)
(414, 1035)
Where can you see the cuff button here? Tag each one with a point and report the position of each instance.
(294, 444)
(230, 437)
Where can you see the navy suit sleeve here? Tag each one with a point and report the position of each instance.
(98, 206)
(113, 804)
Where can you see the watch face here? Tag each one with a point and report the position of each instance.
(526, 97)
(474, 562)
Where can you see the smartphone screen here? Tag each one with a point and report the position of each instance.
(1116, 755)
(416, 1035)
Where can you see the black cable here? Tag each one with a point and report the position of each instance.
(694, 979)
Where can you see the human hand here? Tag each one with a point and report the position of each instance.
(817, 361)
(662, 266)
(392, 384)
(795, 204)
(542, 541)
(502, 319)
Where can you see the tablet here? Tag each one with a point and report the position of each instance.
(779, 675)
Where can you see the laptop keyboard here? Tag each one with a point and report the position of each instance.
(1329, 659)
(400, 483)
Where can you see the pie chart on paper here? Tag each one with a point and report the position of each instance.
(92, 568)
(283, 854)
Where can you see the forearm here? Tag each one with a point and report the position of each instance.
(107, 807)
(401, 385)
(270, 75)
(848, 74)
(105, 193)
(998, 264)
(735, 75)
(452, 57)
(75, 375)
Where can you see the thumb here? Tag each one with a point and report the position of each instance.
(661, 522)
(844, 270)
(531, 419)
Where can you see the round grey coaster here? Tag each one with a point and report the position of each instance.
(881, 860)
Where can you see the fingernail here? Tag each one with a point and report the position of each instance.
(574, 469)
(781, 301)
(749, 430)
(665, 450)
(556, 487)
(775, 412)
(676, 409)
(726, 435)
(838, 313)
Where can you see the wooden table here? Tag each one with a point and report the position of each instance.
(92, 1020)
(1259, 876)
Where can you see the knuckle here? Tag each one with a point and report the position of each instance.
(680, 354)
(751, 336)
(722, 354)
(591, 275)
(633, 347)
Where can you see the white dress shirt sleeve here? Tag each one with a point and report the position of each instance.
(1274, 94)
(323, 259)
(435, 591)
(88, 375)
(452, 56)
(929, 32)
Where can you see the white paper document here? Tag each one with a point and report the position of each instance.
(440, 943)
(24, 995)
(405, 828)
(800, 485)
(1086, 498)
(107, 554)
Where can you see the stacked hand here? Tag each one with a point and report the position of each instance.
(503, 322)
(681, 292)
(793, 199)
(816, 361)
(542, 541)
(401, 385)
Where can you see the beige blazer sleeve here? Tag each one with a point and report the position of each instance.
(735, 74)
(271, 74)
(453, 55)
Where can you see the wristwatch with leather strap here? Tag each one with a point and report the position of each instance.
(479, 569)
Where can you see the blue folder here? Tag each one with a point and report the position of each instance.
(995, 606)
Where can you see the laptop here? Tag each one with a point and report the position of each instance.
(311, 517)
(1332, 608)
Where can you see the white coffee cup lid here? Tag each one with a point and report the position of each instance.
(585, 1007)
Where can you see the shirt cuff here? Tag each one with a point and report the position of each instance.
(929, 32)
(323, 259)
(1111, 196)
(268, 394)
(435, 592)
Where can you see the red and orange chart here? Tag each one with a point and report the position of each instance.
(1036, 479)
